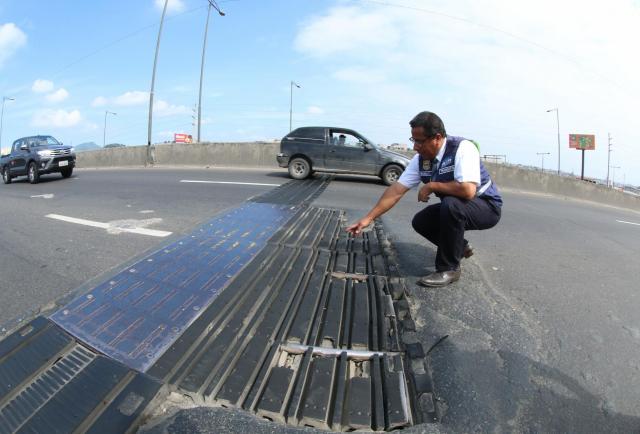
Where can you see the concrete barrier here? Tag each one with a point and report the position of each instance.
(252, 154)
(529, 180)
(263, 154)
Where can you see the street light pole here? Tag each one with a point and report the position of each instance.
(153, 81)
(4, 98)
(293, 83)
(543, 154)
(608, 158)
(204, 48)
(558, 124)
(104, 134)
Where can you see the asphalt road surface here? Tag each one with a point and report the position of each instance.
(543, 330)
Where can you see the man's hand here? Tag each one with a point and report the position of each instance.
(359, 226)
(424, 193)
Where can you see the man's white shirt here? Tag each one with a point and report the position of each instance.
(467, 165)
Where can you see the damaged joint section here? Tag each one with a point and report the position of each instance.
(335, 352)
(354, 276)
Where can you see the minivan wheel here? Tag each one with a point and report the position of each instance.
(391, 173)
(6, 178)
(33, 174)
(299, 168)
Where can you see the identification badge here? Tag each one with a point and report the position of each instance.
(426, 165)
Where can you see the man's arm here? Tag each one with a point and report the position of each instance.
(463, 190)
(389, 198)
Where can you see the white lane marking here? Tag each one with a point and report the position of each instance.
(629, 223)
(44, 196)
(227, 182)
(117, 226)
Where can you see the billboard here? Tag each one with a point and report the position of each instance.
(182, 138)
(586, 142)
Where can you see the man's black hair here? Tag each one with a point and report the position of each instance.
(430, 123)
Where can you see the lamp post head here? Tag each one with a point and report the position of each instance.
(552, 110)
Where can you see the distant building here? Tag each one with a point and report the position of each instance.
(398, 147)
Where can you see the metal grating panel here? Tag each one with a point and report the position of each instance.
(296, 192)
(306, 335)
(54, 384)
(137, 314)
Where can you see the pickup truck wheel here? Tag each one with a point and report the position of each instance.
(391, 173)
(66, 173)
(33, 174)
(299, 168)
(6, 178)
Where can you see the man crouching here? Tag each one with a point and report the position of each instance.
(450, 168)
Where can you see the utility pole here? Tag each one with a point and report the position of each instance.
(608, 158)
(194, 121)
(558, 124)
(212, 4)
(293, 83)
(543, 154)
(613, 179)
(150, 158)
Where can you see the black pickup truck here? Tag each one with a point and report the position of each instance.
(37, 155)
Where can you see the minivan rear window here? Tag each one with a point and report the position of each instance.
(308, 133)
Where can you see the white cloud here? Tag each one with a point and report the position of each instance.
(58, 96)
(135, 97)
(99, 101)
(491, 69)
(11, 39)
(314, 110)
(56, 118)
(163, 108)
(172, 6)
(347, 30)
(42, 86)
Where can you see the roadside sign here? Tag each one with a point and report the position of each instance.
(182, 138)
(586, 142)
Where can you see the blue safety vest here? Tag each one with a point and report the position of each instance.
(445, 171)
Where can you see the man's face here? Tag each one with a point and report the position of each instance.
(427, 147)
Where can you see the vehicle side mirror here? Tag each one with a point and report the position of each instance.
(24, 147)
(367, 147)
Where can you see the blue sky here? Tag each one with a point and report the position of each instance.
(490, 68)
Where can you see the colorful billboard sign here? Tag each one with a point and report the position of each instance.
(585, 142)
(182, 138)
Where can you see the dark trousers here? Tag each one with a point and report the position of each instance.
(444, 224)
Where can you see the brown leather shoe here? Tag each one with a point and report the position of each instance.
(439, 278)
(468, 251)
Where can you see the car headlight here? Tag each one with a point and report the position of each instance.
(45, 153)
(72, 150)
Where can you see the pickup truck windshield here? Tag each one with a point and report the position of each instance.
(34, 142)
